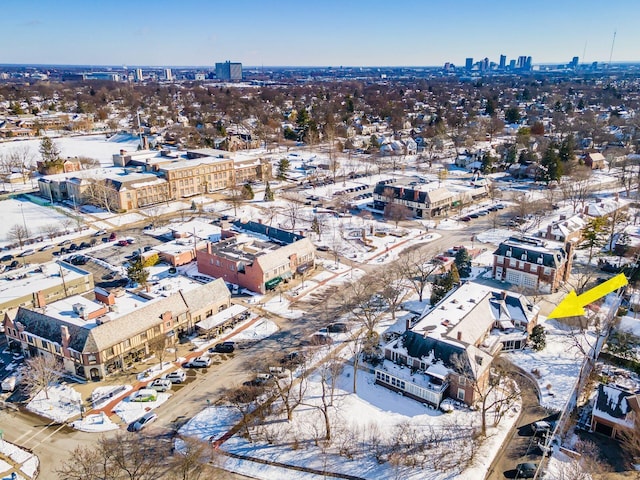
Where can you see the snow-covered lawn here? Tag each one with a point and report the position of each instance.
(28, 461)
(35, 217)
(363, 424)
(96, 422)
(63, 403)
(103, 395)
(557, 365)
(130, 411)
(261, 329)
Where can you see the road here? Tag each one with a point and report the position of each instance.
(53, 443)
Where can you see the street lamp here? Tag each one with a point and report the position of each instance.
(23, 219)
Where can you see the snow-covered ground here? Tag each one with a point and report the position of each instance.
(63, 403)
(95, 422)
(28, 462)
(35, 217)
(130, 411)
(372, 420)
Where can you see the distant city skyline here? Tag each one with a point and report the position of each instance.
(328, 33)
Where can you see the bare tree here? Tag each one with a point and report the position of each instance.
(393, 289)
(494, 391)
(577, 188)
(41, 372)
(292, 210)
(417, 269)
(18, 233)
(51, 230)
(158, 346)
(397, 212)
(133, 458)
(236, 197)
(101, 193)
(193, 461)
(291, 390)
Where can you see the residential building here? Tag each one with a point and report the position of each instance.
(530, 263)
(249, 260)
(595, 160)
(613, 411)
(43, 284)
(96, 338)
(566, 229)
(450, 349)
(229, 70)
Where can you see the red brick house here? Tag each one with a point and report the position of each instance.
(530, 263)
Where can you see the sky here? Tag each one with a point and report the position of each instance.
(321, 33)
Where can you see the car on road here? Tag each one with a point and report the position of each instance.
(6, 258)
(526, 470)
(64, 242)
(143, 421)
(198, 362)
(45, 248)
(27, 252)
(323, 248)
(178, 376)
(224, 347)
(160, 384)
(100, 232)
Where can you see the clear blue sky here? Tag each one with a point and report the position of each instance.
(323, 33)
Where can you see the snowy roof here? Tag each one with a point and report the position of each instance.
(533, 251)
(221, 317)
(197, 228)
(611, 404)
(603, 207)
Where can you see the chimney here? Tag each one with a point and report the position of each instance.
(459, 335)
(64, 333)
(148, 288)
(40, 300)
(145, 143)
(123, 152)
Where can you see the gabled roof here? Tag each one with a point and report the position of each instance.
(612, 403)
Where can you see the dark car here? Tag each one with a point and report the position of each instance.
(322, 248)
(337, 328)
(224, 347)
(6, 258)
(14, 264)
(73, 247)
(292, 358)
(526, 470)
(85, 245)
(65, 242)
(113, 236)
(78, 260)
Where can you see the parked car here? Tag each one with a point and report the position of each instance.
(224, 347)
(45, 248)
(78, 260)
(261, 379)
(320, 339)
(100, 232)
(144, 395)
(113, 236)
(6, 258)
(84, 245)
(198, 362)
(337, 328)
(160, 384)
(323, 248)
(64, 242)
(27, 252)
(143, 421)
(73, 247)
(14, 264)
(178, 376)
(293, 358)
(279, 372)
(541, 427)
(526, 470)
(123, 243)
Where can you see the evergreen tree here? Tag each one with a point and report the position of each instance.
(550, 167)
(247, 192)
(441, 286)
(567, 147)
(512, 115)
(593, 235)
(463, 262)
(268, 193)
(315, 226)
(136, 271)
(283, 168)
(538, 338)
(50, 152)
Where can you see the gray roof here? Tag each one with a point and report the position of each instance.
(200, 298)
(530, 251)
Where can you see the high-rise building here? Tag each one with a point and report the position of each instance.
(503, 62)
(137, 75)
(167, 74)
(528, 63)
(512, 64)
(522, 61)
(229, 71)
(468, 64)
(574, 62)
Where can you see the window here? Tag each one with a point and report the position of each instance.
(45, 344)
(462, 381)
(110, 352)
(461, 394)
(91, 358)
(56, 348)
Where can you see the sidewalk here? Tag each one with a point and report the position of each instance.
(131, 377)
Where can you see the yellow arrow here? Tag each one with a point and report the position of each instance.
(572, 305)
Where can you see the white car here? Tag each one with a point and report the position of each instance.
(143, 421)
(198, 362)
(178, 376)
(160, 384)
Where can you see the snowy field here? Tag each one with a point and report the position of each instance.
(98, 147)
(35, 217)
(364, 424)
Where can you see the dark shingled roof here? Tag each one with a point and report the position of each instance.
(273, 233)
(532, 252)
(49, 328)
(612, 401)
